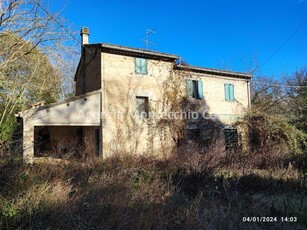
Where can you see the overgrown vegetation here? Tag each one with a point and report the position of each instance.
(186, 192)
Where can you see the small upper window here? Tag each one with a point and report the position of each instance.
(194, 89)
(141, 65)
(142, 107)
(229, 92)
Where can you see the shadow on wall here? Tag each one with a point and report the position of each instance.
(196, 127)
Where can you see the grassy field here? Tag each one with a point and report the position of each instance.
(182, 192)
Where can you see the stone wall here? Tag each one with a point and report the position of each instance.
(122, 130)
(214, 96)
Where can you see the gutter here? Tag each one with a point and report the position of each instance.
(214, 71)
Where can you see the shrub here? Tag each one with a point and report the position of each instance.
(267, 131)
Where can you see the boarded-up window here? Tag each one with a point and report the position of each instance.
(142, 107)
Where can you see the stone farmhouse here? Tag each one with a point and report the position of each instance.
(121, 93)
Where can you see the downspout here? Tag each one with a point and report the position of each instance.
(248, 95)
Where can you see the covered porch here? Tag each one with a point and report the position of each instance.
(66, 141)
(68, 129)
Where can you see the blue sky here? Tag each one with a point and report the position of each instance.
(209, 33)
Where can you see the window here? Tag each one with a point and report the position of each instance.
(231, 137)
(141, 65)
(193, 132)
(142, 107)
(229, 92)
(194, 89)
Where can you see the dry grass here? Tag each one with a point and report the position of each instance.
(185, 191)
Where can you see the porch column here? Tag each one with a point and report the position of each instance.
(28, 141)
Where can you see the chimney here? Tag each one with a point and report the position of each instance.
(84, 33)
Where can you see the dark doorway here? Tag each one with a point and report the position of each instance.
(97, 141)
(42, 143)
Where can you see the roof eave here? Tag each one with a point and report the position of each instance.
(34, 110)
(140, 51)
(135, 51)
(214, 71)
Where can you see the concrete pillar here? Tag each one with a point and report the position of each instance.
(28, 141)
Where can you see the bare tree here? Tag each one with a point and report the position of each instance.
(297, 96)
(268, 96)
(36, 56)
